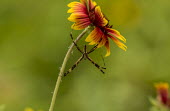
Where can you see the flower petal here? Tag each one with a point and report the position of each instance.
(78, 17)
(162, 92)
(116, 34)
(107, 45)
(119, 44)
(100, 20)
(78, 8)
(102, 41)
(162, 85)
(83, 1)
(80, 25)
(91, 4)
(95, 36)
(28, 109)
(72, 4)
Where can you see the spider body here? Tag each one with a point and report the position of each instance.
(85, 55)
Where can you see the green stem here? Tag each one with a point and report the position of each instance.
(63, 68)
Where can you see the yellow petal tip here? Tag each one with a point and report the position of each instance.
(161, 85)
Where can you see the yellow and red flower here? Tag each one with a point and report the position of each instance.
(100, 36)
(162, 93)
(85, 13)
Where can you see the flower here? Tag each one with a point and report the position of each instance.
(85, 13)
(100, 36)
(30, 109)
(162, 93)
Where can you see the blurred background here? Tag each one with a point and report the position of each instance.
(34, 38)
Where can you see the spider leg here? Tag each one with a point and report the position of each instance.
(71, 35)
(85, 51)
(103, 61)
(95, 64)
(94, 48)
(74, 66)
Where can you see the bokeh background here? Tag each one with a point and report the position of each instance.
(34, 38)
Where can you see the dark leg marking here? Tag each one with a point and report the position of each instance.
(94, 48)
(74, 66)
(75, 43)
(95, 64)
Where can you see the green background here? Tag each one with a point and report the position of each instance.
(34, 38)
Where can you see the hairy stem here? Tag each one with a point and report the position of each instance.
(63, 68)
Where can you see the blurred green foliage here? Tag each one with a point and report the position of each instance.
(34, 38)
(2, 107)
(157, 105)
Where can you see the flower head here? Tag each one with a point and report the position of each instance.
(162, 92)
(100, 36)
(87, 12)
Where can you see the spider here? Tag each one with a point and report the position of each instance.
(84, 56)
